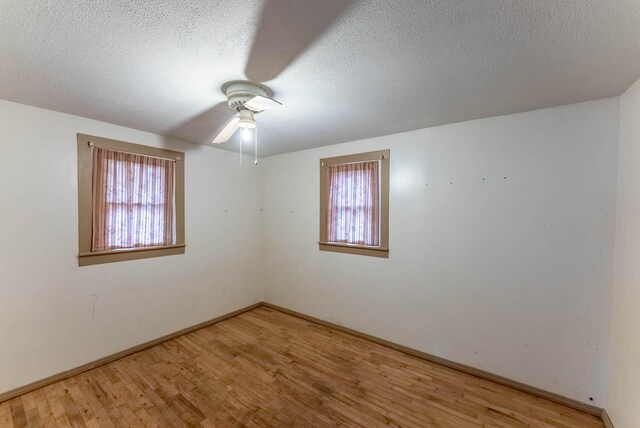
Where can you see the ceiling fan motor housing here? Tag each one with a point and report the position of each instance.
(239, 93)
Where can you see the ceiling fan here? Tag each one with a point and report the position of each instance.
(285, 30)
(248, 99)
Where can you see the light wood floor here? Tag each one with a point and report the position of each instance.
(268, 369)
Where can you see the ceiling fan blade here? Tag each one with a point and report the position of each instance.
(260, 103)
(286, 29)
(226, 133)
(202, 127)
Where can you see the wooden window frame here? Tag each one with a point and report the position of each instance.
(85, 215)
(381, 251)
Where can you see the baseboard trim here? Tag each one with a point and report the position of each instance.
(606, 419)
(118, 355)
(593, 410)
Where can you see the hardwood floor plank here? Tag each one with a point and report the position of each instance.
(19, 417)
(264, 368)
(6, 419)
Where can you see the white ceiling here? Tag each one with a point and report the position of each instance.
(344, 70)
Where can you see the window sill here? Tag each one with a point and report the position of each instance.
(99, 257)
(354, 249)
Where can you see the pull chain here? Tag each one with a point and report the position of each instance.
(241, 141)
(255, 138)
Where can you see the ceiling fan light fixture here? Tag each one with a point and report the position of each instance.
(247, 119)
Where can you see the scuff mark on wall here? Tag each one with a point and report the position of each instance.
(93, 309)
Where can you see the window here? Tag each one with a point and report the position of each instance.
(130, 201)
(354, 204)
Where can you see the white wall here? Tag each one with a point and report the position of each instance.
(501, 240)
(47, 320)
(623, 404)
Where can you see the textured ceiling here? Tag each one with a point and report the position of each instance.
(344, 70)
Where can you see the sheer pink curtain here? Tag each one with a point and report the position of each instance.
(132, 200)
(353, 210)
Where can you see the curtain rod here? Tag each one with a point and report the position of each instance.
(93, 145)
(353, 162)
